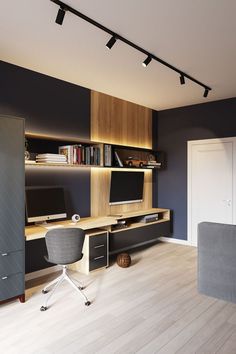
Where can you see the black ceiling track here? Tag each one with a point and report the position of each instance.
(182, 74)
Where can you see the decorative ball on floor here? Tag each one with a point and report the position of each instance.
(123, 260)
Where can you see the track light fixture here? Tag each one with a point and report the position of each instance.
(182, 79)
(111, 42)
(147, 61)
(206, 92)
(114, 37)
(60, 16)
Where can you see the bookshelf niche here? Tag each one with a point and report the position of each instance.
(74, 152)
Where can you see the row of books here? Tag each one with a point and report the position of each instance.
(81, 154)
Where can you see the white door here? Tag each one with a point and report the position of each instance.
(210, 192)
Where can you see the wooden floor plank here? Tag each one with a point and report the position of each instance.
(151, 307)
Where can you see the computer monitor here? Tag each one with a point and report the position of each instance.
(44, 203)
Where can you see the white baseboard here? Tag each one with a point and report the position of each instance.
(42, 272)
(175, 240)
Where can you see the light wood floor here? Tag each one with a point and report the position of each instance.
(151, 307)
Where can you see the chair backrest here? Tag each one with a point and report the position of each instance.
(65, 245)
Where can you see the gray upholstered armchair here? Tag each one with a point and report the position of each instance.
(217, 260)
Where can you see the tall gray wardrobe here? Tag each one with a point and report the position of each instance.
(12, 210)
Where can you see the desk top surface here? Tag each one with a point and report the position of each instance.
(34, 232)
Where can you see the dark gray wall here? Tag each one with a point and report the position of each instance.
(175, 127)
(54, 107)
(49, 105)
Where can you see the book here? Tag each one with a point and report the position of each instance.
(120, 163)
(107, 155)
(67, 150)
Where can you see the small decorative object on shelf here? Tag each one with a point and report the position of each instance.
(123, 260)
(134, 162)
(27, 154)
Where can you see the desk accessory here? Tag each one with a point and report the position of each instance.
(75, 218)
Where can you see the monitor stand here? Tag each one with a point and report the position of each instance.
(41, 223)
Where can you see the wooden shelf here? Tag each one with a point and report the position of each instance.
(138, 225)
(42, 143)
(41, 164)
(164, 216)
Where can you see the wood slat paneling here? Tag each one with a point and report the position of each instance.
(100, 189)
(116, 121)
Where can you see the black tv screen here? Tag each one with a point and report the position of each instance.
(126, 187)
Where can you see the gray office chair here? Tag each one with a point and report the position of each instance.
(64, 247)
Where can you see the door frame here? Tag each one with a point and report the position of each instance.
(190, 144)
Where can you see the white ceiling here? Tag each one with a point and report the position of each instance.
(197, 36)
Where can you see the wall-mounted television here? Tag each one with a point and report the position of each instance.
(126, 187)
(44, 203)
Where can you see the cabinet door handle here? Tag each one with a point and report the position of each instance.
(4, 278)
(4, 254)
(99, 246)
(98, 257)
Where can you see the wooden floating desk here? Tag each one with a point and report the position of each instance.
(34, 232)
(104, 237)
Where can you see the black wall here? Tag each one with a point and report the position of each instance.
(50, 106)
(54, 107)
(175, 127)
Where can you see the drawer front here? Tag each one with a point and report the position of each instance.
(98, 262)
(97, 246)
(11, 263)
(11, 286)
(98, 240)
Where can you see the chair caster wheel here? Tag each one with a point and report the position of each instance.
(81, 288)
(87, 303)
(44, 291)
(43, 308)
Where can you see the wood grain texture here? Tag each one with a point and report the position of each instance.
(151, 307)
(100, 189)
(116, 121)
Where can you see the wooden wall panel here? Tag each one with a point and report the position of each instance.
(100, 190)
(116, 121)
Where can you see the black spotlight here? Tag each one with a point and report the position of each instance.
(60, 16)
(182, 80)
(147, 61)
(206, 93)
(111, 42)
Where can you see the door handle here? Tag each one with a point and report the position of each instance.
(227, 201)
